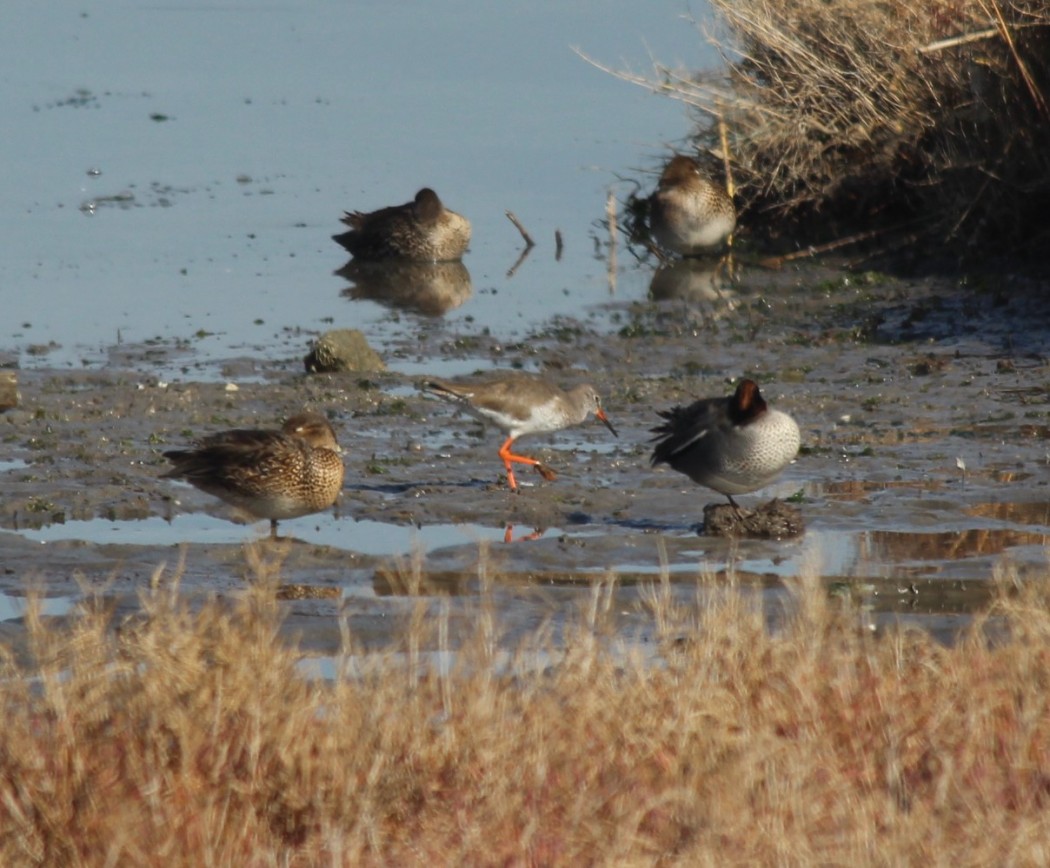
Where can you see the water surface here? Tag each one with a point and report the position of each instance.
(175, 171)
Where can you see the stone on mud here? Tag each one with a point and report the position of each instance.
(8, 390)
(342, 350)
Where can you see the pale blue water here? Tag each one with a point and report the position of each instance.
(235, 134)
(877, 554)
(12, 607)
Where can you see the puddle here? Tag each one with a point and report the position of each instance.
(364, 536)
(13, 606)
(522, 547)
(876, 554)
(906, 555)
(1036, 513)
(904, 547)
(12, 464)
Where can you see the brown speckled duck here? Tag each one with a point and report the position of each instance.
(689, 213)
(423, 230)
(270, 474)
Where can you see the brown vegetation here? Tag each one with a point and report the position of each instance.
(931, 115)
(186, 737)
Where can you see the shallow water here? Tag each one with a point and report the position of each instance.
(177, 173)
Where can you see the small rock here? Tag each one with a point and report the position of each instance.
(773, 520)
(8, 390)
(342, 350)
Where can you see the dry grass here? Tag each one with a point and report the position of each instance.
(934, 114)
(189, 738)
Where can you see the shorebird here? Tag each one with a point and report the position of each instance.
(292, 472)
(521, 404)
(689, 213)
(734, 444)
(422, 230)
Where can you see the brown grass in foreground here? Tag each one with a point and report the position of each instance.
(189, 738)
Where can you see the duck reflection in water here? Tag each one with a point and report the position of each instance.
(429, 288)
(702, 281)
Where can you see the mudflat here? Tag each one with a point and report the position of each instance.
(923, 406)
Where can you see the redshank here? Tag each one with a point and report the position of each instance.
(520, 404)
(270, 474)
(422, 230)
(734, 445)
(689, 213)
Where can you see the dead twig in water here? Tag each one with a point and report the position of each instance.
(517, 263)
(559, 246)
(610, 215)
(524, 232)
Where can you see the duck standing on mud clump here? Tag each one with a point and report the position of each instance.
(689, 213)
(289, 473)
(422, 230)
(734, 445)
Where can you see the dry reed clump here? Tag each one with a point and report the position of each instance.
(187, 737)
(936, 115)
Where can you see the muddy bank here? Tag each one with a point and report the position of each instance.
(923, 405)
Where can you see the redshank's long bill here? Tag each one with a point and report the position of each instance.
(289, 473)
(733, 444)
(520, 404)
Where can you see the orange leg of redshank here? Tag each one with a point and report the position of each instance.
(508, 457)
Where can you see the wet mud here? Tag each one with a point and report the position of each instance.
(924, 407)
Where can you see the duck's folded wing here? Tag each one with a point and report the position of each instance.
(685, 427)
